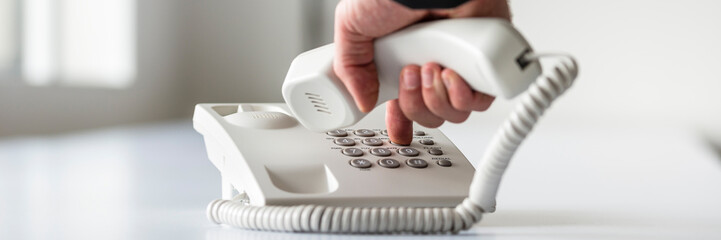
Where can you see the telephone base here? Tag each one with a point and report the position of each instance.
(261, 150)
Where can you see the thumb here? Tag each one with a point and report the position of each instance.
(357, 24)
(353, 64)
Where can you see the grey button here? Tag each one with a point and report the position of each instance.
(444, 163)
(384, 132)
(411, 152)
(360, 163)
(344, 141)
(389, 163)
(419, 133)
(383, 152)
(417, 163)
(337, 133)
(353, 152)
(427, 142)
(435, 152)
(364, 133)
(372, 142)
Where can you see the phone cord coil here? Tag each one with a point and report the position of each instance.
(483, 189)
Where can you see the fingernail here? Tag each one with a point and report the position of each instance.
(446, 80)
(427, 77)
(410, 79)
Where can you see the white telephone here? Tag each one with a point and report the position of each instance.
(347, 177)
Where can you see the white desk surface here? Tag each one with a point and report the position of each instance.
(567, 182)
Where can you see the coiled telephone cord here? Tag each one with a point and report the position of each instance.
(377, 220)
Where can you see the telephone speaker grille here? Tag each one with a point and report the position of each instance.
(266, 115)
(318, 103)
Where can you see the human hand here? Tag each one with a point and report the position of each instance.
(429, 95)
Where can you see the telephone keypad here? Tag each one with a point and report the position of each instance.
(372, 145)
(353, 152)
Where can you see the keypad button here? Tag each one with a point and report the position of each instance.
(353, 152)
(344, 141)
(360, 163)
(444, 163)
(389, 163)
(384, 132)
(427, 142)
(411, 152)
(337, 133)
(419, 133)
(372, 141)
(416, 163)
(435, 152)
(364, 133)
(383, 152)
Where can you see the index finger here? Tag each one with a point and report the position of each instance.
(400, 128)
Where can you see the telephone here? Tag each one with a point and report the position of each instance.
(345, 176)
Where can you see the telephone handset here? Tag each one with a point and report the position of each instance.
(488, 53)
(346, 177)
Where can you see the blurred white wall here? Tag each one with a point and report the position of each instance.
(641, 60)
(187, 52)
(239, 51)
(28, 109)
